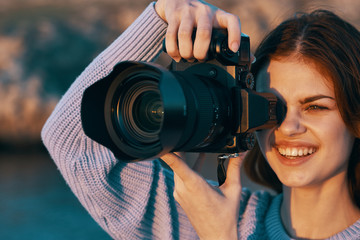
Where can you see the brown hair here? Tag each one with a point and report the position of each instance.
(325, 39)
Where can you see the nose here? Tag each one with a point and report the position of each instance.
(292, 124)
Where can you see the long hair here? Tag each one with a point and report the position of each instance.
(332, 44)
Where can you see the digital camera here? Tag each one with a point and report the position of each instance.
(143, 110)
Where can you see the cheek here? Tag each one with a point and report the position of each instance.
(333, 136)
(264, 138)
(342, 147)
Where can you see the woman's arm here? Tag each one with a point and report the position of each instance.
(130, 201)
(142, 41)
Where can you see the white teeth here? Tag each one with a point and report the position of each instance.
(282, 151)
(300, 153)
(306, 151)
(296, 152)
(288, 152)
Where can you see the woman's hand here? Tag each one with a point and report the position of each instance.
(183, 16)
(213, 211)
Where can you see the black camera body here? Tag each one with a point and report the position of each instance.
(142, 110)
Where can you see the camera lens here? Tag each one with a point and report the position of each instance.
(140, 111)
(145, 111)
(150, 111)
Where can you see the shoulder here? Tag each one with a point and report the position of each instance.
(253, 210)
(258, 199)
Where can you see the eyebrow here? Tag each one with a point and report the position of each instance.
(314, 98)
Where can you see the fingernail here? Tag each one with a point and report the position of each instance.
(234, 47)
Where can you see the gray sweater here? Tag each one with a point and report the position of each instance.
(135, 200)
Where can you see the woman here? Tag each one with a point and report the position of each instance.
(310, 63)
(313, 156)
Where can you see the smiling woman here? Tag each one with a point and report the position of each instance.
(313, 156)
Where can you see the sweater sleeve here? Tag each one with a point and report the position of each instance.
(128, 200)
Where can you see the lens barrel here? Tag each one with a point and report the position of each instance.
(149, 110)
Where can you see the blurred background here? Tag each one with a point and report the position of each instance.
(44, 46)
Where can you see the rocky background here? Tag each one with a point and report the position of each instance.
(45, 44)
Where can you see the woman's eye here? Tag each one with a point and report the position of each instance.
(316, 108)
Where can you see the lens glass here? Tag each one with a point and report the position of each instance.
(140, 111)
(148, 111)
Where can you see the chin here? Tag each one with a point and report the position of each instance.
(294, 174)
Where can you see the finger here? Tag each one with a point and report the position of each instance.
(181, 155)
(186, 180)
(233, 26)
(185, 37)
(171, 40)
(199, 162)
(160, 9)
(180, 168)
(233, 171)
(203, 38)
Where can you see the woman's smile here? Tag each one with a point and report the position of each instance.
(291, 156)
(293, 153)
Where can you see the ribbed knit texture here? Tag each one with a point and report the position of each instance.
(275, 229)
(135, 200)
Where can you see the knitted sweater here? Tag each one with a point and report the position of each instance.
(135, 200)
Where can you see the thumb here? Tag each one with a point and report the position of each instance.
(233, 170)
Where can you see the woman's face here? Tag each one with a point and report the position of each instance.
(312, 145)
